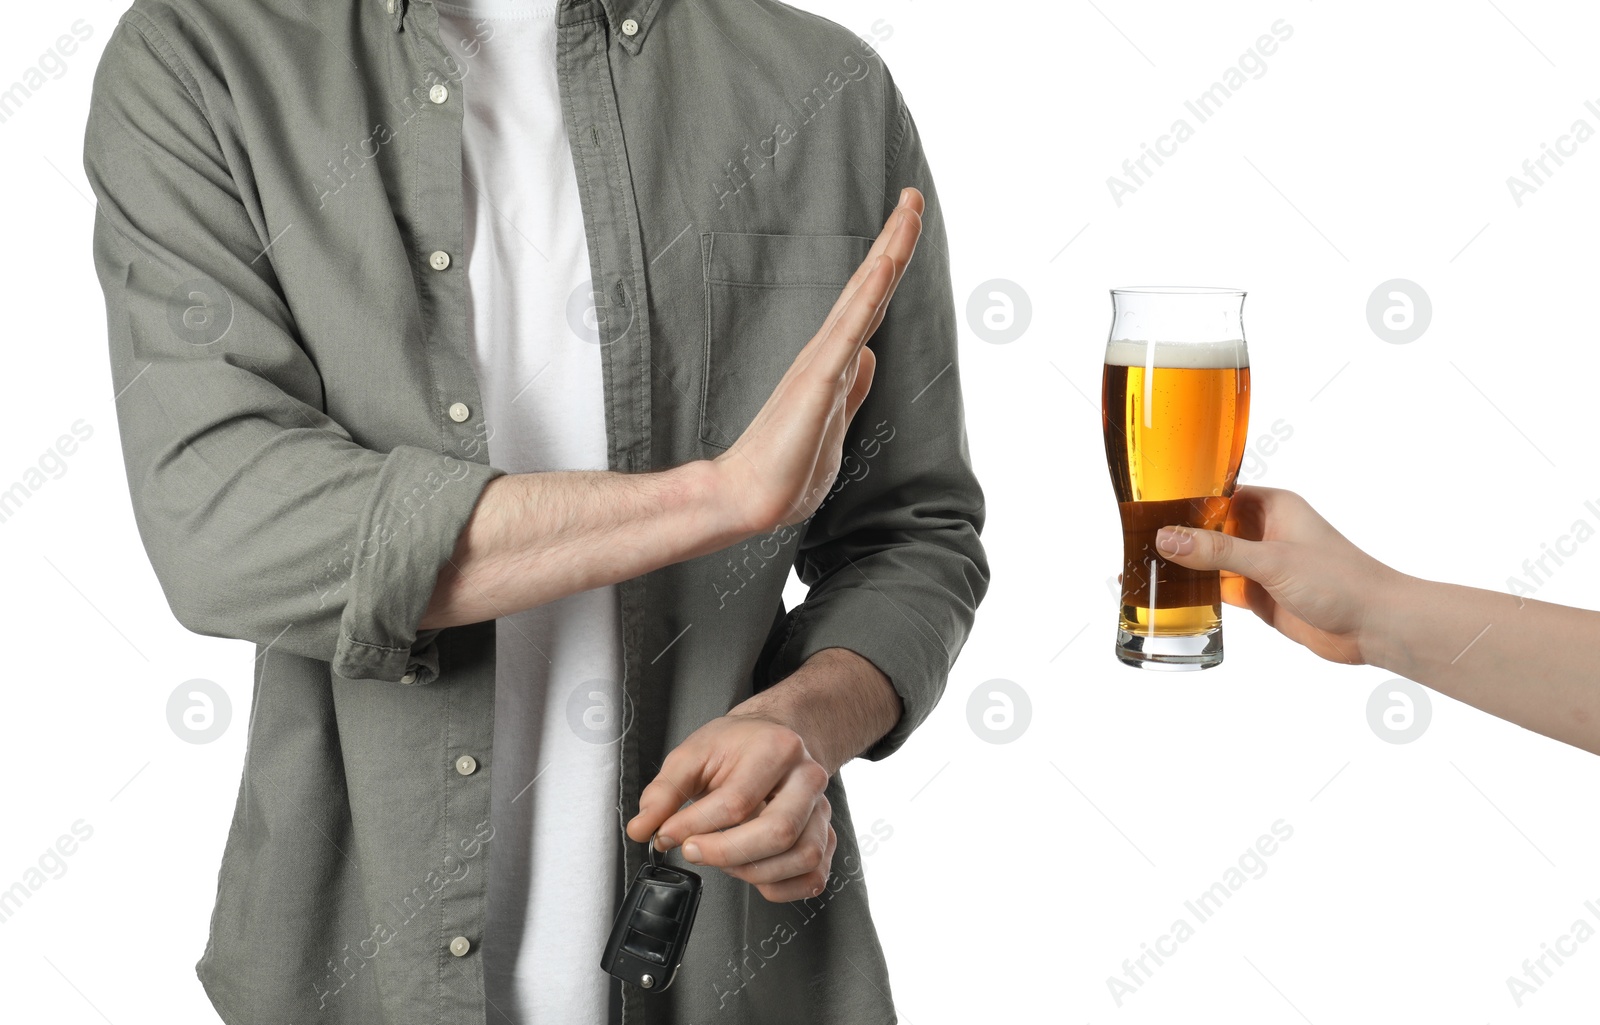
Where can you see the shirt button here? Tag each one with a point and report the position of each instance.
(459, 946)
(630, 27)
(438, 94)
(466, 765)
(409, 678)
(459, 411)
(439, 259)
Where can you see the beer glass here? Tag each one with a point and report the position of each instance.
(1175, 405)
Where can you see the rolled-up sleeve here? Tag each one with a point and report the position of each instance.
(893, 558)
(262, 518)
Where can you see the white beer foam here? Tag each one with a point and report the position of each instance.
(1224, 355)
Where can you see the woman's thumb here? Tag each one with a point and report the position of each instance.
(1209, 549)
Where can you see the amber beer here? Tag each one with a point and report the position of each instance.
(1175, 417)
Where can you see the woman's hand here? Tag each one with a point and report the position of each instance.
(1289, 566)
(1529, 662)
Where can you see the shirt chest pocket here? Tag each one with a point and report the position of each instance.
(766, 296)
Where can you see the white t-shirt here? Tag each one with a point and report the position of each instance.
(553, 781)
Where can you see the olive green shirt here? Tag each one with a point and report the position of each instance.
(279, 236)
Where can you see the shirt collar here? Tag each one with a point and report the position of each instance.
(620, 14)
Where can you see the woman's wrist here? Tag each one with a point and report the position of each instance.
(1392, 618)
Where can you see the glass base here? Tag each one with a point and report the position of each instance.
(1170, 654)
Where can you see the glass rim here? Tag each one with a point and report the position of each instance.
(1176, 290)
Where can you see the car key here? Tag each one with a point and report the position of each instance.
(652, 927)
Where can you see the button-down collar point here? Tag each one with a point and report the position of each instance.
(630, 27)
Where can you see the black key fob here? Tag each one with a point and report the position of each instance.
(652, 927)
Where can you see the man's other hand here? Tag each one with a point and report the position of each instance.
(756, 810)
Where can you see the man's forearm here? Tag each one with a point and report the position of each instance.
(537, 537)
(1527, 661)
(837, 701)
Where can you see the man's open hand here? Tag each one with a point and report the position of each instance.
(783, 464)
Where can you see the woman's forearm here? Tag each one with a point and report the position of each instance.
(1531, 662)
(1527, 661)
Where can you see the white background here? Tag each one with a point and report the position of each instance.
(1018, 876)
